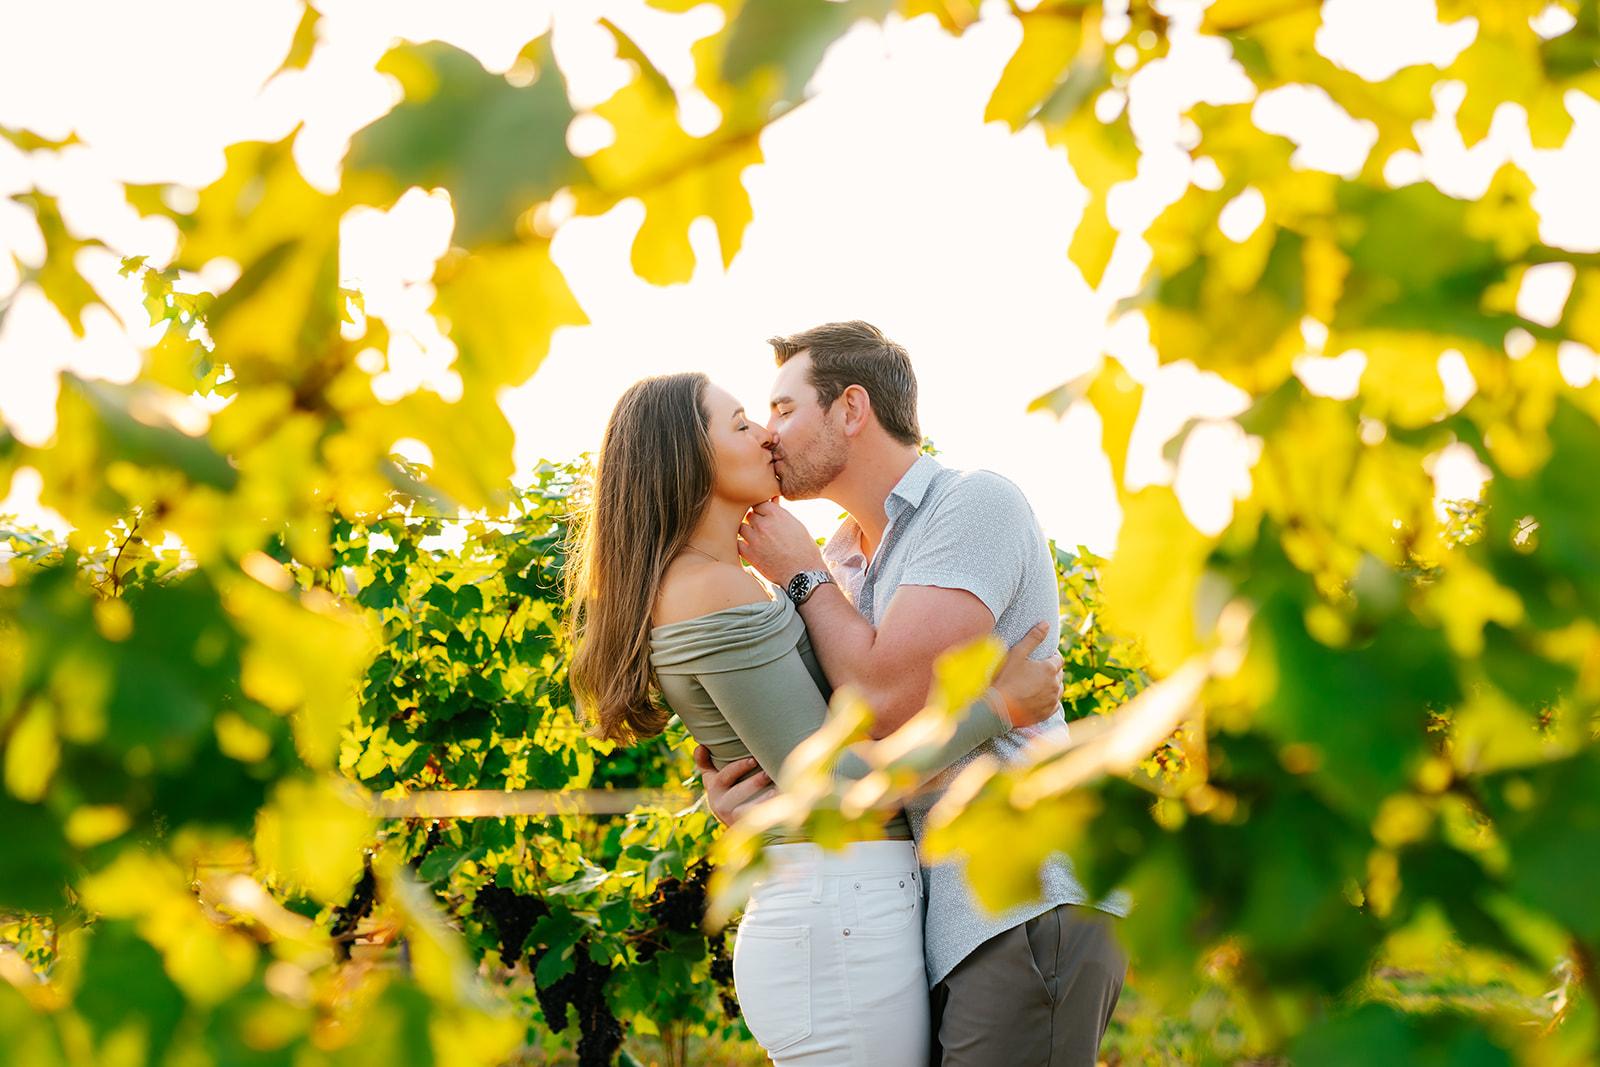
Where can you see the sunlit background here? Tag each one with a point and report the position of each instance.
(884, 197)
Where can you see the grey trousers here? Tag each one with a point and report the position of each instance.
(1038, 995)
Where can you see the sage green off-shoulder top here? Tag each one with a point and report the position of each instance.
(746, 682)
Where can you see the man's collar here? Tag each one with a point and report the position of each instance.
(845, 544)
(907, 493)
(912, 486)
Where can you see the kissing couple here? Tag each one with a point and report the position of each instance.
(863, 956)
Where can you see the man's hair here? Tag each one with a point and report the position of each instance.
(857, 353)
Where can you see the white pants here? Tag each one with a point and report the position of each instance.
(828, 959)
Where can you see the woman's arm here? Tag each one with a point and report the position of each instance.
(1023, 684)
(772, 707)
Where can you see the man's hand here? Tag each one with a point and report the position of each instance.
(1030, 688)
(734, 789)
(777, 544)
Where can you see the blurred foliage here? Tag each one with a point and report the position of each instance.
(185, 832)
(1408, 744)
(1399, 766)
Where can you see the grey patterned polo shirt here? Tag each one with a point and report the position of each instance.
(971, 530)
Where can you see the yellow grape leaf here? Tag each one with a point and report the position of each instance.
(785, 39)
(503, 304)
(1228, 15)
(1490, 732)
(58, 275)
(1249, 337)
(1501, 68)
(32, 753)
(1280, 51)
(962, 674)
(311, 834)
(94, 824)
(304, 41)
(1050, 42)
(1150, 580)
(1582, 319)
(207, 961)
(1388, 485)
(304, 659)
(468, 1036)
(677, 177)
(661, 250)
(1003, 846)
(1116, 398)
(471, 441)
(1063, 396)
(499, 148)
(1504, 216)
(1101, 156)
(439, 959)
(1401, 383)
(954, 15)
(1466, 597)
(262, 214)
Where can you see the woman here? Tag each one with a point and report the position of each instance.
(828, 957)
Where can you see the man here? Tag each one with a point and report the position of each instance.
(928, 559)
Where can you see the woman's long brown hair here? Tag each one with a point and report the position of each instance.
(652, 482)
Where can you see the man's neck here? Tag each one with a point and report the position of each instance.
(863, 491)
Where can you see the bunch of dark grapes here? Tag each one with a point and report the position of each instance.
(599, 1032)
(680, 906)
(359, 906)
(722, 974)
(428, 845)
(513, 916)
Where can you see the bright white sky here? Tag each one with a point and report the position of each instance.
(884, 198)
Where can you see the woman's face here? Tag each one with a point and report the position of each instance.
(742, 465)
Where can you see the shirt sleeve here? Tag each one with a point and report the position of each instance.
(772, 706)
(977, 538)
(976, 723)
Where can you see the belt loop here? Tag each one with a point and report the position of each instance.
(816, 880)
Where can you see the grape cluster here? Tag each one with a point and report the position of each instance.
(428, 845)
(722, 974)
(358, 907)
(513, 916)
(680, 906)
(599, 1032)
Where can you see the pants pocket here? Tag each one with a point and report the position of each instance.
(883, 905)
(772, 977)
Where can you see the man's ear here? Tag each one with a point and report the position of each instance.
(857, 408)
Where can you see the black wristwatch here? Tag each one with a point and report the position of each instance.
(802, 585)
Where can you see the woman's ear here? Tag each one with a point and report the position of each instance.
(857, 409)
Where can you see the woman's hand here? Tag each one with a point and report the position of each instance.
(1029, 689)
(734, 789)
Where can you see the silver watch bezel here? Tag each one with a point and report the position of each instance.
(813, 579)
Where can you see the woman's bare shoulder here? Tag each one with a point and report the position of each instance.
(692, 588)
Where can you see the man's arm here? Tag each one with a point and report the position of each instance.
(1035, 685)
(892, 666)
(966, 569)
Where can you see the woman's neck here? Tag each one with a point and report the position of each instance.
(716, 535)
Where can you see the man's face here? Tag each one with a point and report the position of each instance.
(808, 448)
